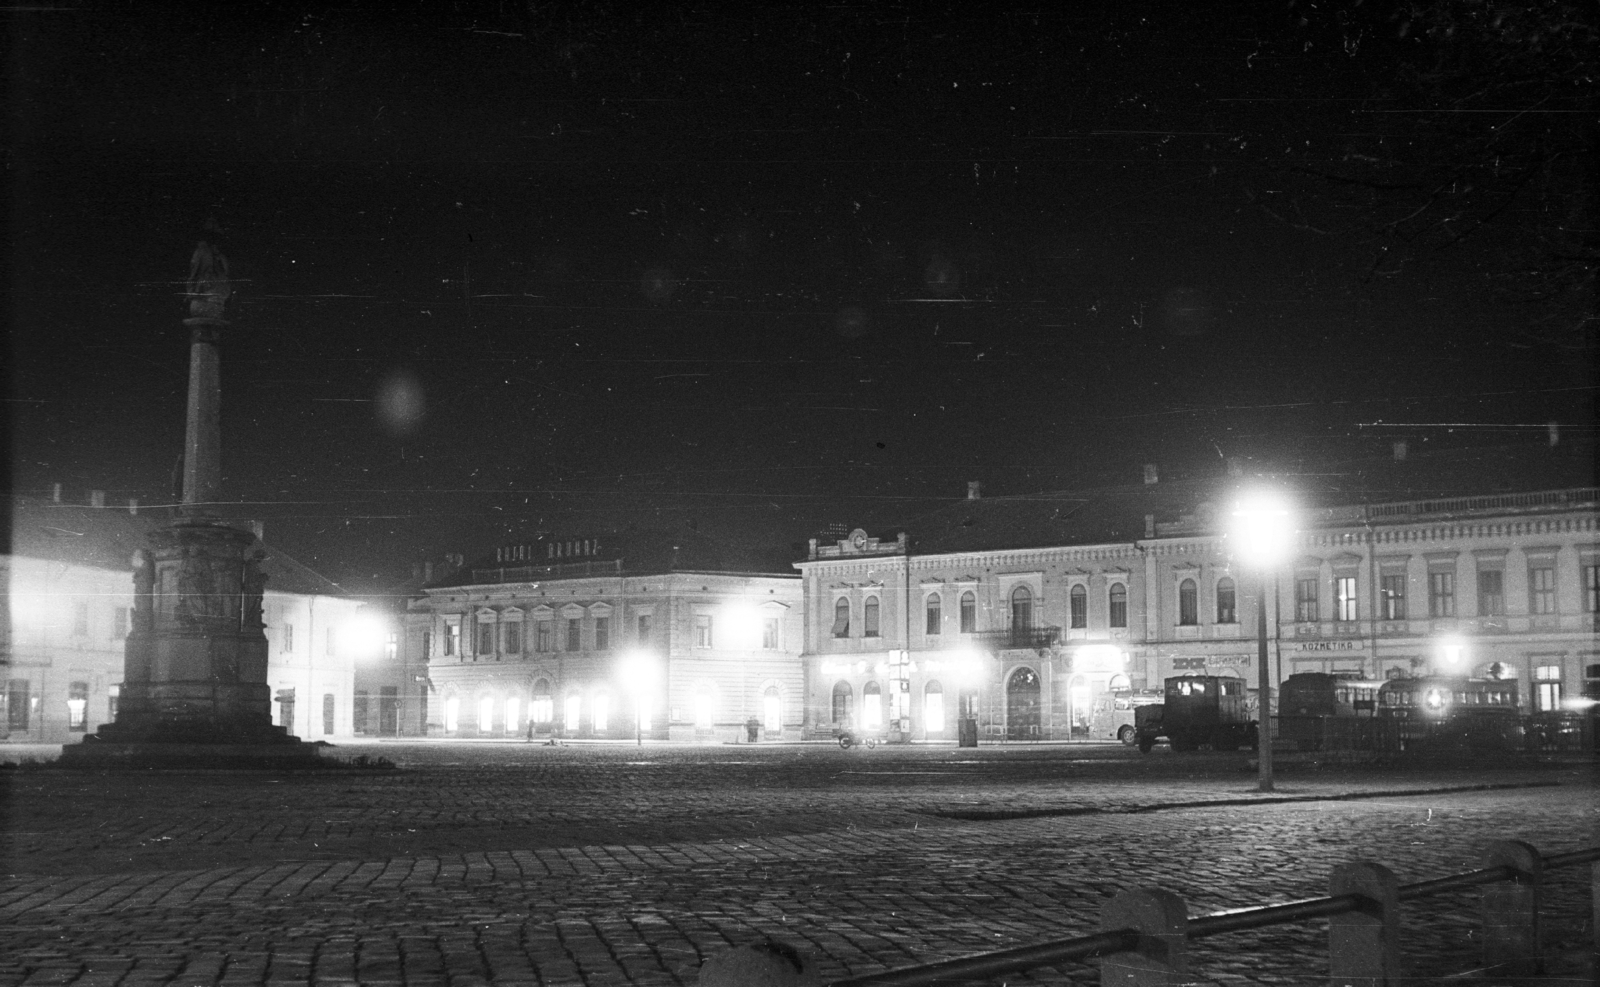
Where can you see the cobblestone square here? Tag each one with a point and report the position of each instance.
(514, 863)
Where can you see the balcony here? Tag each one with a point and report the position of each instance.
(1015, 638)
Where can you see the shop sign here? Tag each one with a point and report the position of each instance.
(1200, 662)
(1307, 646)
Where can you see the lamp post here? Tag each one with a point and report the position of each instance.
(1263, 531)
(638, 671)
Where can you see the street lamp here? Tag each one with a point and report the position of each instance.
(638, 671)
(1262, 534)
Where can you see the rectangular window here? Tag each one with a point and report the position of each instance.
(485, 638)
(1591, 588)
(1079, 602)
(513, 715)
(1188, 603)
(1119, 605)
(78, 707)
(1305, 600)
(969, 613)
(119, 623)
(452, 714)
(1542, 590)
(452, 639)
(18, 705)
(1344, 598)
(574, 634)
(602, 633)
(570, 712)
(513, 639)
(391, 645)
(1547, 688)
(869, 623)
(1441, 594)
(541, 636)
(288, 636)
(702, 630)
(80, 620)
(1227, 603)
(931, 616)
(1491, 592)
(427, 645)
(644, 628)
(1393, 592)
(769, 634)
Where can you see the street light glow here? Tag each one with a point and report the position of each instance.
(1263, 528)
(364, 634)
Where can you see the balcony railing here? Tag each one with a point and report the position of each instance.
(1018, 637)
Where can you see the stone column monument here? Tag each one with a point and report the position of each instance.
(194, 688)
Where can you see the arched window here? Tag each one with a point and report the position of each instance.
(543, 710)
(869, 618)
(1188, 602)
(841, 618)
(969, 612)
(933, 707)
(931, 626)
(1080, 606)
(871, 707)
(1227, 602)
(1022, 608)
(844, 703)
(1118, 598)
(485, 714)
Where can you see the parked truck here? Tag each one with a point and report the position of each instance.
(1198, 709)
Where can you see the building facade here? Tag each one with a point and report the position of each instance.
(68, 605)
(611, 638)
(1124, 587)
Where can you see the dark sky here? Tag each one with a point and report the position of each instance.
(772, 269)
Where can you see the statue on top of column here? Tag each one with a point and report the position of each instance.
(209, 286)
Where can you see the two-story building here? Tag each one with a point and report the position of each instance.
(669, 636)
(1017, 612)
(68, 572)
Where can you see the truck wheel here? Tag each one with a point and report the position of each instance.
(1126, 735)
(1145, 743)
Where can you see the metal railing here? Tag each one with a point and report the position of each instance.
(1150, 928)
(1030, 636)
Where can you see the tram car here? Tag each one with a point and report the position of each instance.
(1454, 711)
(1316, 710)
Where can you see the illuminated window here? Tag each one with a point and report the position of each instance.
(1441, 594)
(602, 633)
(1188, 603)
(570, 711)
(600, 712)
(769, 634)
(969, 612)
(1542, 590)
(772, 710)
(1305, 599)
(1118, 598)
(933, 707)
(705, 709)
(1393, 593)
(1227, 602)
(452, 714)
(869, 618)
(702, 630)
(513, 714)
(841, 617)
(1491, 592)
(871, 707)
(1079, 603)
(78, 707)
(931, 612)
(1547, 688)
(542, 710)
(113, 694)
(1344, 598)
(486, 714)
(513, 634)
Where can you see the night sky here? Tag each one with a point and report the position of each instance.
(508, 267)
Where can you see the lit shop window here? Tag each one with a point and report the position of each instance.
(705, 710)
(871, 707)
(543, 709)
(452, 714)
(601, 713)
(933, 707)
(570, 713)
(513, 714)
(485, 714)
(643, 712)
(772, 710)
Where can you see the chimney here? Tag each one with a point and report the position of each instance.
(259, 529)
(974, 489)
(133, 505)
(1399, 450)
(1235, 466)
(97, 498)
(1149, 525)
(1151, 473)
(55, 492)
(1555, 433)
(812, 552)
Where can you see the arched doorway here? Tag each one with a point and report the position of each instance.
(872, 707)
(933, 708)
(772, 711)
(843, 709)
(1022, 705)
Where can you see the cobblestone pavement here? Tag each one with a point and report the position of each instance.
(602, 865)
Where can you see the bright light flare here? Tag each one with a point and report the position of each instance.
(743, 626)
(364, 634)
(638, 669)
(1263, 528)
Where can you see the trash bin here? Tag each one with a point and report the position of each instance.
(967, 732)
(752, 727)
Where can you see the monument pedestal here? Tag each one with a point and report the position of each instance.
(195, 690)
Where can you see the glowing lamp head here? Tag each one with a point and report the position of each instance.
(364, 634)
(638, 669)
(1262, 531)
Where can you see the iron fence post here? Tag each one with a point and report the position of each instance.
(1364, 945)
(1511, 909)
(1160, 959)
